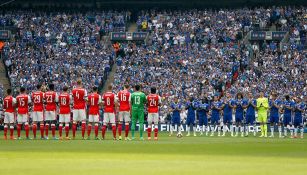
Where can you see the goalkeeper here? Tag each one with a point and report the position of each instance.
(262, 108)
(138, 100)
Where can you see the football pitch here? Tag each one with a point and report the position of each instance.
(169, 155)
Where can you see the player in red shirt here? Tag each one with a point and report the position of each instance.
(51, 98)
(37, 113)
(79, 95)
(23, 100)
(9, 108)
(109, 101)
(124, 111)
(64, 112)
(94, 101)
(153, 103)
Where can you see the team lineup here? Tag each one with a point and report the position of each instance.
(125, 108)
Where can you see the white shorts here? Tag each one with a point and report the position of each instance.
(79, 115)
(50, 115)
(93, 118)
(22, 118)
(153, 117)
(109, 118)
(64, 118)
(37, 116)
(9, 117)
(124, 116)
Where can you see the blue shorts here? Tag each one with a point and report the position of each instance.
(298, 121)
(190, 120)
(176, 120)
(287, 120)
(250, 119)
(239, 118)
(215, 120)
(202, 120)
(227, 118)
(274, 119)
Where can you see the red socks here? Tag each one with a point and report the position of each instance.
(89, 130)
(103, 130)
(126, 130)
(41, 128)
(120, 129)
(149, 132)
(46, 129)
(11, 132)
(27, 130)
(83, 126)
(74, 128)
(156, 132)
(53, 130)
(60, 130)
(114, 131)
(18, 129)
(67, 130)
(5, 131)
(34, 128)
(96, 130)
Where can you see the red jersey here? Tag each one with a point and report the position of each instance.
(9, 104)
(51, 98)
(109, 99)
(94, 101)
(37, 98)
(153, 101)
(64, 103)
(23, 101)
(123, 98)
(79, 95)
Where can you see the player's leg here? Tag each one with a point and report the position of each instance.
(113, 123)
(225, 123)
(149, 121)
(19, 125)
(89, 125)
(76, 118)
(188, 125)
(213, 124)
(34, 123)
(82, 115)
(194, 126)
(219, 127)
(206, 126)
(106, 120)
(301, 129)
(11, 121)
(141, 121)
(156, 121)
(120, 124)
(61, 121)
(67, 121)
(201, 123)
(127, 121)
(25, 119)
(260, 119)
(133, 122)
(286, 125)
(6, 125)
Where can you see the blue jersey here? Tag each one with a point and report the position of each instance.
(227, 109)
(239, 106)
(274, 109)
(176, 109)
(191, 107)
(203, 108)
(297, 108)
(250, 108)
(214, 105)
(288, 112)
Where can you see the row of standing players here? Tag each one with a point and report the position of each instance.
(45, 104)
(239, 112)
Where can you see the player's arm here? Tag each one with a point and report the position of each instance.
(85, 95)
(254, 103)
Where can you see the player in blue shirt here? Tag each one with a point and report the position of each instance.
(298, 117)
(274, 105)
(239, 107)
(176, 120)
(216, 107)
(202, 109)
(288, 105)
(191, 107)
(250, 106)
(227, 113)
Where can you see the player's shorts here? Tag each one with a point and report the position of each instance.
(190, 120)
(37, 116)
(22, 118)
(287, 120)
(274, 119)
(215, 120)
(64, 118)
(79, 115)
(298, 121)
(239, 117)
(153, 117)
(50, 115)
(109, 118)
(250, 119)
(176, 120)
(93, 118)
(202, 120)
(262, 117)
(9, 117)
(124, 116)
(227, 118)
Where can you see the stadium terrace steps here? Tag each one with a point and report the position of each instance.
(3, 78)
(110, 79)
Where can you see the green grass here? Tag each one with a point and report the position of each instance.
(169, 155)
